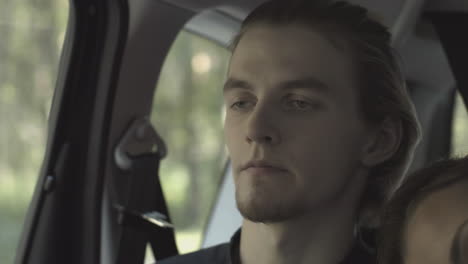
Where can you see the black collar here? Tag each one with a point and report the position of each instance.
(358, 253)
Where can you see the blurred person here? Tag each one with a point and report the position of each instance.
(426, 221)
(319, 129)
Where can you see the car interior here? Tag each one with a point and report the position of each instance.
(89, 206)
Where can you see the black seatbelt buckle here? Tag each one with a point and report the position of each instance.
(140, 138)
(133, 218)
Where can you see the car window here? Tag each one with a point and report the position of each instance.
(188, 113)
(31, 37)
(459, 145)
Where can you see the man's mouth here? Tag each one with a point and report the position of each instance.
(262, 166)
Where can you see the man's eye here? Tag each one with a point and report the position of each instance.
(298, 105)
(302, 105)
(241, 105)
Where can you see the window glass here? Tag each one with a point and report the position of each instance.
(31, 37)
(460, 128)
(188, 113)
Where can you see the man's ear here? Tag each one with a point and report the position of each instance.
(384, 142)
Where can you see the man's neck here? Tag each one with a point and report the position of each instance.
(324, 237)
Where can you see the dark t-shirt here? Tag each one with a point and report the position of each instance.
(228, 253)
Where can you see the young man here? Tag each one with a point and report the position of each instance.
(427, 219)
(319, 129)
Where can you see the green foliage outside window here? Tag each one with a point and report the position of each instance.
(188, 113)
(31, 36)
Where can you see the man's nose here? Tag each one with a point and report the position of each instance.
(261, 127)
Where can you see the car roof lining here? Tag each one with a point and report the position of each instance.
(219, 21)
(214, 25)
(398, 15)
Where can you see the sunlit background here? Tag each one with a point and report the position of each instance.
(31, 36)
(188, 112)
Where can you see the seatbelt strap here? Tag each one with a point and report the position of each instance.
(452, 30)
(142, 213)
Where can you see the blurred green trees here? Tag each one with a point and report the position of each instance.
(187, 113)
(31, 34)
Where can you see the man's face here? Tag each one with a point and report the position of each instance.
(292, 111)
(432, 226)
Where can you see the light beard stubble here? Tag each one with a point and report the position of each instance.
(264, 207)
(269, 208)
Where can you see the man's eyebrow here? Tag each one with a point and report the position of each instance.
(301, 83)
(306, 83)
(233, 83)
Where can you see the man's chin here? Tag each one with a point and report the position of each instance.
(267, 212)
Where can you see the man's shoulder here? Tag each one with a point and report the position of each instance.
(213, 255)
